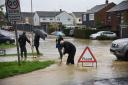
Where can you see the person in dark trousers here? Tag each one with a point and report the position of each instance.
(70, 49)
(36, 43)
(22, 43)
(59, 38)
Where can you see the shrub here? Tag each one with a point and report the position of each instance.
(83, 33)
(66, 32)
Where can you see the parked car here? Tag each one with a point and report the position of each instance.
(119, 48)
(7, 33)
(6, 39)
(8, 28)
(108, 34)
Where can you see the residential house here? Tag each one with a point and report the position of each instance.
(27, 17)
(96, 16)
(26, 21)
(77, 18)
(44, 18)
(118, 18)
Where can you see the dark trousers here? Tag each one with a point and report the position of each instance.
(37, 50)
(70, 59)
(60, 52)
(23, 51)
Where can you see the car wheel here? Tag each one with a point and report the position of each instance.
(119, 58)
(126, 56)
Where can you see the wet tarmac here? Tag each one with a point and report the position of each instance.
(116, 81)
(109, 71)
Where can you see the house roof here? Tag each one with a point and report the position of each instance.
(120, 7)
(97, 8)
(48, 13)
(78, 14)
(27, 14)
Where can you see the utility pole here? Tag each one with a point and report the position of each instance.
(32, 29)
(17, 44)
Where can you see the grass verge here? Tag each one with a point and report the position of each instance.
(4, 46)
(11, 68)
(28, 54)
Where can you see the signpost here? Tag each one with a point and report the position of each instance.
(13, 10)
(13, 13)
(87, 57)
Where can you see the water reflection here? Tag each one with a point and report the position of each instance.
(107, 66)
(62, 74)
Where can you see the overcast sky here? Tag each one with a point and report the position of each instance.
(55, 5)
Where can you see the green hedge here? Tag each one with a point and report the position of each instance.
(83, 33)
(66, 32)
(50, 30)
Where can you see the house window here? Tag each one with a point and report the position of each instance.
(69, 19)
(91, 16)
(58, 19)
(51, 19)
(122, 19)
(26, 20)
(84, 17)
(80, 20)
(118, 15)
(109, 17)
(44, 19)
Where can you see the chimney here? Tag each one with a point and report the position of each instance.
(60, 10)
(106, 2)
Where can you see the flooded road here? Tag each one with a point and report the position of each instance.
(60, 74)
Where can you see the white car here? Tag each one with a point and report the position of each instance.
(7, 33)
(57, 33)
(103, 33)
(119, 48)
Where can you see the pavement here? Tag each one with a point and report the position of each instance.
(61, 74)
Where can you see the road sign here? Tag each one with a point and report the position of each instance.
(87, 56)
(13, 13)
(13, 10)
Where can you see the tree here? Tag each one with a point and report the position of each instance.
(2, 16)
(1, 7)
(53, 27)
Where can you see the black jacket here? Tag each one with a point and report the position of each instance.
(68, 47)
(22, 40)
(36, 40)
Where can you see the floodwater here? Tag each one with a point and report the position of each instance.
(61, 74)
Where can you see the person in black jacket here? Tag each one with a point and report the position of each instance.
(36, 43)
(70, 49)
(22, 43)
(59, 38)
